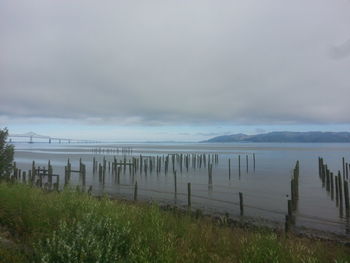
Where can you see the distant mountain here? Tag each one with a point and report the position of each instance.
(285, 137)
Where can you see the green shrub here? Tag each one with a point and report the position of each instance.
(91, 239)
(11, 255)
(74, 227)
(263, 248)
(6, 154)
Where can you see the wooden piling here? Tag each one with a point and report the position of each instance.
(296, 178)
(254, 162)
(290, 211)
(65, 176)
(30, 180)
(49, 171)
(135, 192)
(292, 193)
(319, 167)
(175, 184)
(57, 184)
(340, 189)
(327, 181)
(24, 177)
(332, 186)
(239, 166)
(324, 171)
(189, 195)
(286, 224)
(119, 170)
(336, 191)
(246, 159)
(229, 169)
(33, 171)
(346, 197)
(241, 203)
(83, 175)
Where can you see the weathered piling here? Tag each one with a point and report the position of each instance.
(328, 181)
(104, 167)
(241, 203)
(57, 184)
(340, 189)
(346, 197)
(239, 166)
(246, 159)
(69, 169)
(229, 169)
(141, 160)
(33, 172)
(254, 162)
(119, 170)
(324, 172)
(290, 212)
(49, 171)
(286, 224)
(320, 167)
(173, 162)
(294, 184)
(336, 191)
(189, 195)
(135, 192)
(66, 180)
(100, 172)
(40, 178)
(83, 174)
(332, 186)
(30, 179)
(175, 184)
(24, 177)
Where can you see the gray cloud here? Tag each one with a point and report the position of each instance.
(259, 130)
(341, 51)
(172, 62)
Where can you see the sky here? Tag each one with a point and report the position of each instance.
(181, 70)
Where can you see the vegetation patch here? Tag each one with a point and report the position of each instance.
(71, 226)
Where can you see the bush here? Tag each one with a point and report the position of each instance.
(91, 239)
(6, 154)
(263, 248)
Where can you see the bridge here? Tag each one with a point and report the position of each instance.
(32, 137)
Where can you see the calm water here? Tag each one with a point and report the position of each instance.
(265, 190)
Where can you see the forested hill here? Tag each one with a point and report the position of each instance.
(285, 137)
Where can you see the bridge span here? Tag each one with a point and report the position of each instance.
(32, 137)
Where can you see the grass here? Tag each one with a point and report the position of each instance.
(75, 227)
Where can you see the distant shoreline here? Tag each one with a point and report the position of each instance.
(284, 137)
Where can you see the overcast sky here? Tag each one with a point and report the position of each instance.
(173, 69)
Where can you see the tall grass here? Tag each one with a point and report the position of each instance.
(75, 227)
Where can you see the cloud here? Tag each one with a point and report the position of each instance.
(208, 134)
(341, 51)
(260, 130)
(174, 62)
